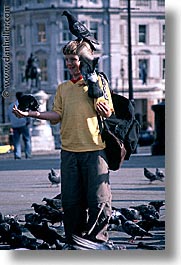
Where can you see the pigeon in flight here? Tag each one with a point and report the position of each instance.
(79, 30)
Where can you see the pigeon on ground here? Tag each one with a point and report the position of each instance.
(157, 204)
(33, 218)
(53, 177)
(149, 247)
(147, 225)
(79, 30)
(23, 241)
(46, 212)
(148, 212)
(133, 229)
(5, 235)
(151, 176)
(28, 102)
(54, 203)
(160, 175)
(131, 214)
(42, 232)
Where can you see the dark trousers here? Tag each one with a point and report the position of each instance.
(86, 194)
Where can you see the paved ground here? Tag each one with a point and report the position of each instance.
(23, 182)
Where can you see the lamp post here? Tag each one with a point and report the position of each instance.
(130, 79)
(122, 78)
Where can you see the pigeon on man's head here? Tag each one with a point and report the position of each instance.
(79, 30)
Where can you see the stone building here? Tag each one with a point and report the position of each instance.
(38, 27)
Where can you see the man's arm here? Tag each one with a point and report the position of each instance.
(51, 116)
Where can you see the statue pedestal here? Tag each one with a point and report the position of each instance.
(41, 133)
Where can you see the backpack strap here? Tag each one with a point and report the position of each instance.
(103, 77)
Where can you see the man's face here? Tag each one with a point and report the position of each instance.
(73, 63)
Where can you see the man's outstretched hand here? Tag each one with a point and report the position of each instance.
(19, 113)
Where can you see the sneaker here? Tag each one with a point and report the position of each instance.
(17, 157)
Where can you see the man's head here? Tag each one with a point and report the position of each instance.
(82, 52)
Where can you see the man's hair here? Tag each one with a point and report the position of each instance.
(19, 95)
(72, 47)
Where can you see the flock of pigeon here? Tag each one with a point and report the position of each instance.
(43, 229)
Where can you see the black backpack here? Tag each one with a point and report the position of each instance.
(123, 123)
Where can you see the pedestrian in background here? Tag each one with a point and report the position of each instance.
(20, 128)
(85, 185)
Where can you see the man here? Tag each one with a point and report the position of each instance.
(85, 187)
(20, 128)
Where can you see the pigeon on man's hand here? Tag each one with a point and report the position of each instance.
(79, 30)
(28, 102)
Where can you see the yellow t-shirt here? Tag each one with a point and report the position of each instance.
(79, 124)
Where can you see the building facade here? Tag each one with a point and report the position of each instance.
(38, 27)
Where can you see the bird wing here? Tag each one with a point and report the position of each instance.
(81, 30)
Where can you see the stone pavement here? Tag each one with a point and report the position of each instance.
(23, 182)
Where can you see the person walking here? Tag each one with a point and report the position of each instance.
(85, 184)
(20, 128)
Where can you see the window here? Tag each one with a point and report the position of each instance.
(40, 1)
(44, 69)
(20, 35)
(41, 30)
(143, 70)
(163, 33)
(161, 2)
(66, 35)
(122, 34)
(19, 3)
(163, 68)
(123, 2)
(94, 29)
(142, 34)
(142, 2)
(21, 70)
(93, 1)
